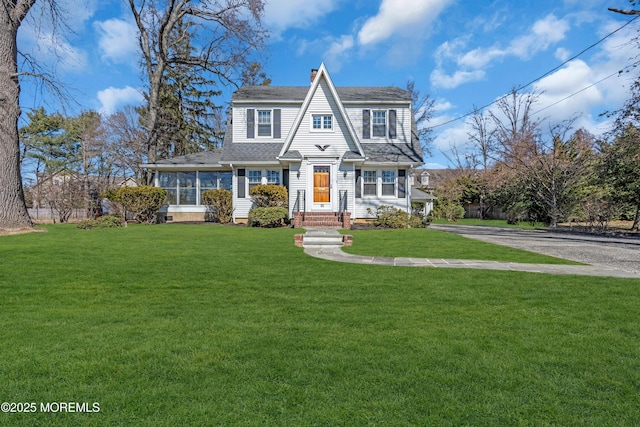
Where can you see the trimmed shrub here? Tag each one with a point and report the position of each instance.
(104, 221)
(143, 202)
(266, 196)
(219, 204)
(451, 211)
(390, 217)
(268, 217)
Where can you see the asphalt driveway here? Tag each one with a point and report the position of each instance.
(620, 253)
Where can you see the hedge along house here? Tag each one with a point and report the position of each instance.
(340, 151)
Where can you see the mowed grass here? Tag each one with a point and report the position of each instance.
(206, 325)
(426, 243)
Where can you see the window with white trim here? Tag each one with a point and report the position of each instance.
(273, 177)
(321, 122)
(379, 124)
(389, 183)
(381, 183)
(369, 183)
(255, 178)
(264, 123)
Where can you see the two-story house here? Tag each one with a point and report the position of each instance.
(340, 151)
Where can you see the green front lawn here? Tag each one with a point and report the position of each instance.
(207, 325)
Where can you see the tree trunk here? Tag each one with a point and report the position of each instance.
(13, 210)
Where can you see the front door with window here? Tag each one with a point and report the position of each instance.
(321, 186)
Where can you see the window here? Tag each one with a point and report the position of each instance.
(208, 181)
(388, 183)
(214, 181)
(379, 124)
(264, 122)
(385, 183)
(255, 178)
(186, 188)
(183, 187)
(225, 180)
(169, 181)
(273, 177)
(369, 183)
(321, 122)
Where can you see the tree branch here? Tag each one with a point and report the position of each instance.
(624, 12)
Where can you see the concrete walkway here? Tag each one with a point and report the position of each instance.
(333, 252)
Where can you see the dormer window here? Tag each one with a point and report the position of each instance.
(321, 122)
(264, 123)
(379, 124)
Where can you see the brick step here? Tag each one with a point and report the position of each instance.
(321, 224)
(321, 219)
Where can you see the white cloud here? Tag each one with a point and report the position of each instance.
(337, 51)
(112, 98)
(544, 33)
(480, 57)
(51, 49)
(442, 105)
(562, 54)
(284, 14)
(440, 79)
(471, 65)
(118, 40)
(403, 17)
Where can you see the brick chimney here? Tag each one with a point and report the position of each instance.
(314, 72)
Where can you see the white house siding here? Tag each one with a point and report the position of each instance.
(296, 184)
(346, 178)
(374, 202)
(241, 207)
(365, 202)
(403, 121)
(338, 140)
(288, 115)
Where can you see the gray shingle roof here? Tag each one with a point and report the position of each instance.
(298, 93)
(205, 158)
(396, 153)
(292, 155)
(375, 152)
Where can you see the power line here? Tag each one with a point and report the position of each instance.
(545, 75)
(583, 89)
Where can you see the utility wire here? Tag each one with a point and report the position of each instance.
(544, 75)
(583, 89)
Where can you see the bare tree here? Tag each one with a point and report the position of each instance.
(230, 32)
(125, 148)
(482, 139)
(13, 210)
(423, 110)
(516, 130)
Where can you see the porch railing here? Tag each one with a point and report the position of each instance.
(343, 201)
(301, 203)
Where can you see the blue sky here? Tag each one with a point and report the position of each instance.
(460, 52)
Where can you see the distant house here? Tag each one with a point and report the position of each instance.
(340, 151)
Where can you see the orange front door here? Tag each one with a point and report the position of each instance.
(321, 184)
